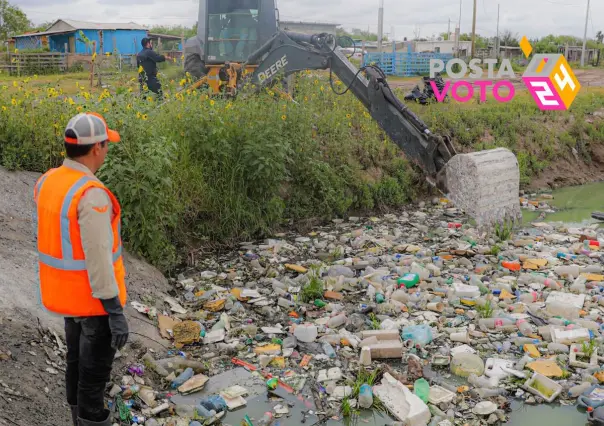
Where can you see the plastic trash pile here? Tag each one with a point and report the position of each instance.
(415, 314)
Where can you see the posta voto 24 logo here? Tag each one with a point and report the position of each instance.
(548, 77)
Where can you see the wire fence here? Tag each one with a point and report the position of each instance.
(404, 64)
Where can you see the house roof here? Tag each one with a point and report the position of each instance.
(63, 26)
(331, 24)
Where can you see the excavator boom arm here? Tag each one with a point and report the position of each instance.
(287, 53)
(485, 184)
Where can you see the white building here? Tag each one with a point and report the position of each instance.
(443, 46)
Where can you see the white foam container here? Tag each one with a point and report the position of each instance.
(401, 402)
(439, 394)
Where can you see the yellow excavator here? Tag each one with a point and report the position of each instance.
(238, 42)
(228, 32)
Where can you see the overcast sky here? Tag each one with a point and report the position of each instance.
(534, 18)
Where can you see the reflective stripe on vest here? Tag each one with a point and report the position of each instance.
(68, 263)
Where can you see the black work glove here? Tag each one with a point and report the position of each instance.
(117, 322)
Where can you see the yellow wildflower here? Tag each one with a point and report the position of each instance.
(129, 106)
(284, 117)
(79, 109)
(13, 101)
(322, 88)
(144, 117)
(130, 90)
(15, 84)
(150, 98)
(62, 153)
(183, 82)
(212, 102)
(316, 82)
(140, 69)
(4, 108)
(71, 101)
(138, 115)
(105, 109)
(348, 116)
(305, 98)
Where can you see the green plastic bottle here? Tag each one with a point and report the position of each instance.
(408, 280)
(422, 389)
(379, 298)
(320, 304)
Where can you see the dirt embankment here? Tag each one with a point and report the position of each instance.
(26, 352)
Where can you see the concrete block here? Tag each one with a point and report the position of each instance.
(382, 334)
(485, 185)
(387, 349)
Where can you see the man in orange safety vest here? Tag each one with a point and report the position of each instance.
(81, 269)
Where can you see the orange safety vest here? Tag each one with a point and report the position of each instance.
(64, 283)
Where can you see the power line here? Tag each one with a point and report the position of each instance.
(561, 4)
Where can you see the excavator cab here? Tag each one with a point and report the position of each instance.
(228, 32)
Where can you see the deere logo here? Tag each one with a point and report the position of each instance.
(550, 79)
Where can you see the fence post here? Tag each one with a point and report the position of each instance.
(92, 64)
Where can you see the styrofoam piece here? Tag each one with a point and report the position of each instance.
(494, 367)
(568, 337)
(576, 300)
(464, 290)
(333, 374)
(401, 402)
(439, 394)
(544, 382)
(575, 351)
(462, 349)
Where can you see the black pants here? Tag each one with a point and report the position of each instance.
(89, 361)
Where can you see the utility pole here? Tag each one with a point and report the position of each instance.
(449, 30)
(497, 42)
(458, 32)
(381, 26)
(474, 31)
(585, 36)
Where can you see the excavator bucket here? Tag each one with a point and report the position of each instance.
(486, 185)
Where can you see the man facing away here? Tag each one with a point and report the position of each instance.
(82, 275)
(148, 59)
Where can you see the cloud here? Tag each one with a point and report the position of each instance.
(535, 18)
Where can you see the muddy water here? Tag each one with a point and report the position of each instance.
(574, 205)
(550, 415)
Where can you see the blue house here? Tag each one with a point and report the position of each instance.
(65, 36)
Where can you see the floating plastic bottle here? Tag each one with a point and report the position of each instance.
(494, 323)
(337, 321)
(408, 280)
(422, 389)
(577, 390)
(524, 327)
(365, 396)
(328, 350)
(182, 378)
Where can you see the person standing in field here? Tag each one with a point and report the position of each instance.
(147, 59)
(81, 270)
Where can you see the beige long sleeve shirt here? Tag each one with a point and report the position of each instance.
(95, 213)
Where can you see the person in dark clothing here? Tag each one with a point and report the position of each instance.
(148, 60)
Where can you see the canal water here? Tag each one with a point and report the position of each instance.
(574, 205)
